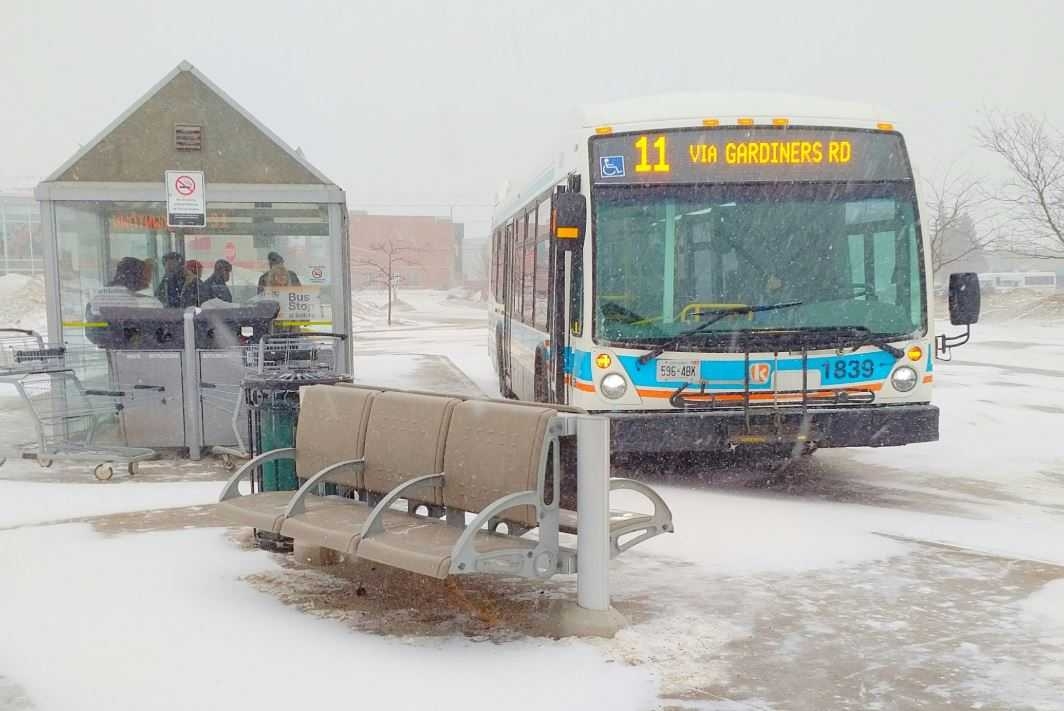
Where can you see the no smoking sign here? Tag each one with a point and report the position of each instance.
(185, 185)
(186, 202)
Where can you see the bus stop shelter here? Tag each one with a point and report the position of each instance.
(274, 226)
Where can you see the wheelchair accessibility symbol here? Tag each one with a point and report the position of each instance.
(611, 166)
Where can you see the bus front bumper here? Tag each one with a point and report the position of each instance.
(724, 430)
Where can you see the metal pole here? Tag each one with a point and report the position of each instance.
(191, 386)
(3, 232)
(52, 276)
(29, 223)
(592, 505)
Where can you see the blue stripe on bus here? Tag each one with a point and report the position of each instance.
(730, 374)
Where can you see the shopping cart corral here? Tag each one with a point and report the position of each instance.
(68, 418)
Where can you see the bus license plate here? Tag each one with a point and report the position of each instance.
(684, 370)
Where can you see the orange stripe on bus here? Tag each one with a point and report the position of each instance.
(928, 379)
(587, 387)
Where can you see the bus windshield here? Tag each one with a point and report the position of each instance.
(667, 257)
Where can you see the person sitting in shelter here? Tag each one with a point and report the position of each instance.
(214, 286)
(132, 276)
(277, 263)
(172, 286)
(193, 293)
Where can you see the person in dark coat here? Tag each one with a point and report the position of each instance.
(172, 286)
(214, 286)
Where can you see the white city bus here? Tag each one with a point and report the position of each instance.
(719, 272)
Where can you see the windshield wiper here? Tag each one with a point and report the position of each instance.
(872, 339)
(719, 315)
(859, 336)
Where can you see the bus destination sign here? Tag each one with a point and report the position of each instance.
(747, 155)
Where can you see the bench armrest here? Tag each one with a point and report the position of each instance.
(231, 490)
(375, 522)
(464, 553)
(542, 561)
(298, 503)
(661, 519)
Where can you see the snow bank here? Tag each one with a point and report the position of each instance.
(22, 302)
(24, 503)
(161, 621)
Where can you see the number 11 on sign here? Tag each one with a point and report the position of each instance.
(643, 166)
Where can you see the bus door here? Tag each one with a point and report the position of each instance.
(565, 312)
(508, 300)
(558, 389)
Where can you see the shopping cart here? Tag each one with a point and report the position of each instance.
(67, 417)
(274, 370)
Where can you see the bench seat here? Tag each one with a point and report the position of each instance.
(329, 447)
(265, 511)
(568, 520)
(424, 545)
(627, 528)
(337, 528)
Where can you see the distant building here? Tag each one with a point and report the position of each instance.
(426, 251)
(20, 234)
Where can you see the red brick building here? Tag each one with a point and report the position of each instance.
(425, 251)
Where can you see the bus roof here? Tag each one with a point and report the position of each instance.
(694, 107)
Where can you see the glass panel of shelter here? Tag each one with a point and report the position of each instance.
(254, 251)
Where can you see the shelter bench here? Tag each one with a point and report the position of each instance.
(464, 468)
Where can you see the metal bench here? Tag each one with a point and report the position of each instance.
(464, 468)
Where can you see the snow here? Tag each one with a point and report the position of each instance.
(930, 573)
(23, 503)
(163, 621)
(1045, 609)
(730, 534)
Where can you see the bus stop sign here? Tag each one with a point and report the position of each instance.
(186, 202)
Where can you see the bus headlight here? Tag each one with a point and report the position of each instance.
(613, 386)
(904, 379)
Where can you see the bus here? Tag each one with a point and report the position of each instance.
(717, 273)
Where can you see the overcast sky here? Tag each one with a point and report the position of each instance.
(436, 103)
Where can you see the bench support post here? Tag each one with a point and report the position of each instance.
(593, 615)
(592, 501)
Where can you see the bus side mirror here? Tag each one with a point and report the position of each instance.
(964, 299)
(964, 305)
(570, 219)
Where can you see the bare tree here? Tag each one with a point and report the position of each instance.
(1033, 195)
(386, 256)
(954, 221)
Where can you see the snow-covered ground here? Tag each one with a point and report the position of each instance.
(928, 576)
